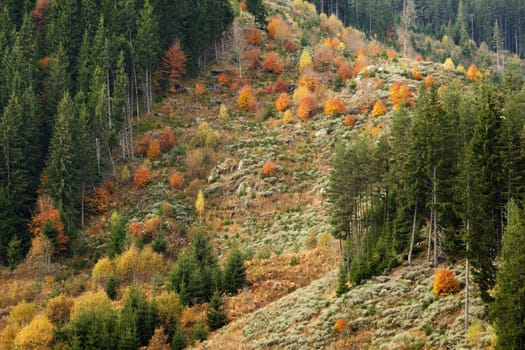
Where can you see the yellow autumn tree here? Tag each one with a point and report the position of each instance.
(37, 335)
(449, 64)
(245, 100)
(58, 309)
(287, 117)
(199, 203)
(168, 310)
(334, 106)
(223, 112)
(92, 303)
(305, 62)
(379, 109)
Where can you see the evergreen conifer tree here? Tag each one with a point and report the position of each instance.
(234, 272)
(216, 316)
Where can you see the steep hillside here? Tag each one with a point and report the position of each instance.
(248, 160)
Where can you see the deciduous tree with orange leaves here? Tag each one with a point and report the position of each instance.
(283, 102)
(174, 64)
(154, 150)
(400, 95)
(305, 108)
(445, 283)
(142, 177)
(167, 139)
(278, 29)
(269, 168)
(253, 36)
(272, 63)
(473, 73)
(48, 223)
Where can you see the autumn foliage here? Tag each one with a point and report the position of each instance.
(200, 89)
(135, 228)
(305, 108)
(174, 64)
(309, 81)
(334, 106)
(473, 73)
(287, 117)
(222, 79)
(283, 102)
(154, 149)
(340, 325)
(400, 95)
(40, 10)
(48, 217)
(272, 63)
(305, 62)
(445, 283)
(429, 80)
(176, 180)
(269, 168)
(278, 29)
(142, 177)
(253, 36)
(349, 120)
(167, 139)
(416, 74)
(245, 100)
(379, 109)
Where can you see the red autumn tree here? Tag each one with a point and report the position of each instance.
(167, 139)
(142, 177)
(174, 64)
(48, 222)
(39, 13)
(253, 57)
(280, 85)
(283, 102)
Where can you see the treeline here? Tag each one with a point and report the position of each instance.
(74, 75)
(445, 173)
(479, 20)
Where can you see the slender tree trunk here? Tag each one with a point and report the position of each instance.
(412, 236)
(429, 237)
(434, 204)
(467, 286)
(97, 148)
(82, 206)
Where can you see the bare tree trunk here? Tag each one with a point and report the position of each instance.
(467, 285)
(412, 236)
(97, 148)
(429, 237)
(434, 211)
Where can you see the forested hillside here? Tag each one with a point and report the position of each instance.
(215, 173)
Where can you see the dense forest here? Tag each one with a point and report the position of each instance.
(497, 23)
(74, 77)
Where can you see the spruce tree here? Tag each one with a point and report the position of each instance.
(117, 235)
(508, 311)
(234, 272)
(178, 341)
(7, 226)
(199, 332)
(216, 316)
(342, 281)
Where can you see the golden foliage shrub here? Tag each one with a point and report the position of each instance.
(379, 109)
(102, 271)
(22, 314)
(445, 283)
(283, 102)
(429, 80)
(449, 64)
(334, 106)
(199, 161)
(305, 61)
(126, 264)
(400, 95)
(149, 262)
(300, 93)
(58, 309)
(287, 117)
(309, 81)
(152, 225)
(168, 310)
(245, 100)
(92, 303)
(269, 168)
(142, 177)
(38, 335)
(416, 74)
(223, 112)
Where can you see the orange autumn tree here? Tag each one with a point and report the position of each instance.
(283, 102)
(349, 120)
(154, 150)
(272, 63)
(269, 168)
(278, 29)
(174, 64)
(400, 95)
(445, 283)
(48, 223)
(142, 177)
(473, 73)
(176, 180)
(305, 108)
(253, 36)
(334, 106)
